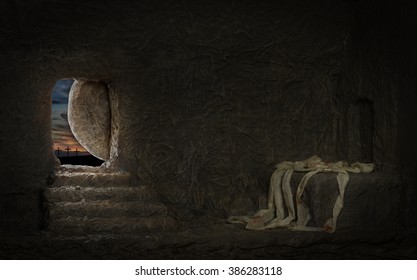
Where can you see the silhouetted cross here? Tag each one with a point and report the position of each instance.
(68, 150)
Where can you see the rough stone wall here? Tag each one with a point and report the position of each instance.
(208, 94)
(407, 124)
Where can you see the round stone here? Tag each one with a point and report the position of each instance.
(89, 117)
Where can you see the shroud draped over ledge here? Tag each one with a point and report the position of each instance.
(280, 197)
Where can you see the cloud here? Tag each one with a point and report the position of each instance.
(59, 126)
(64, 115)
(60, 91)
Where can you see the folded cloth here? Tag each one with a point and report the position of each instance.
(280, 197)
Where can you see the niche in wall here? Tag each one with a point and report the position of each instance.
(361, 131)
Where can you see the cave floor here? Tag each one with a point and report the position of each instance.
(216, 241)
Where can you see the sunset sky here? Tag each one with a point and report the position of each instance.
(61, 132)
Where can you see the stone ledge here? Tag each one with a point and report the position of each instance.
(89, 176)
(371, 200)
(113, 193)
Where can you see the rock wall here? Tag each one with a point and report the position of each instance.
(205, 95)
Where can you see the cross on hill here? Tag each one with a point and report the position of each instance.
(68, 149)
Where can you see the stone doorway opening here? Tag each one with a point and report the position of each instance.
(66, 146)
(90, 199)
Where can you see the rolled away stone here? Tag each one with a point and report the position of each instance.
(89, 117)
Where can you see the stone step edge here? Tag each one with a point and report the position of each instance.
(72, 193)
(93, 179)
(74, 174)
(104, 203)
(115, 186)
(78, 188)
(106, 209)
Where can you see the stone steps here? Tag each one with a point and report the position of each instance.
(115, 194)
(89, 178)
(90, 200)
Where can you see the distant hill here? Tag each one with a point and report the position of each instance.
(81, 160)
